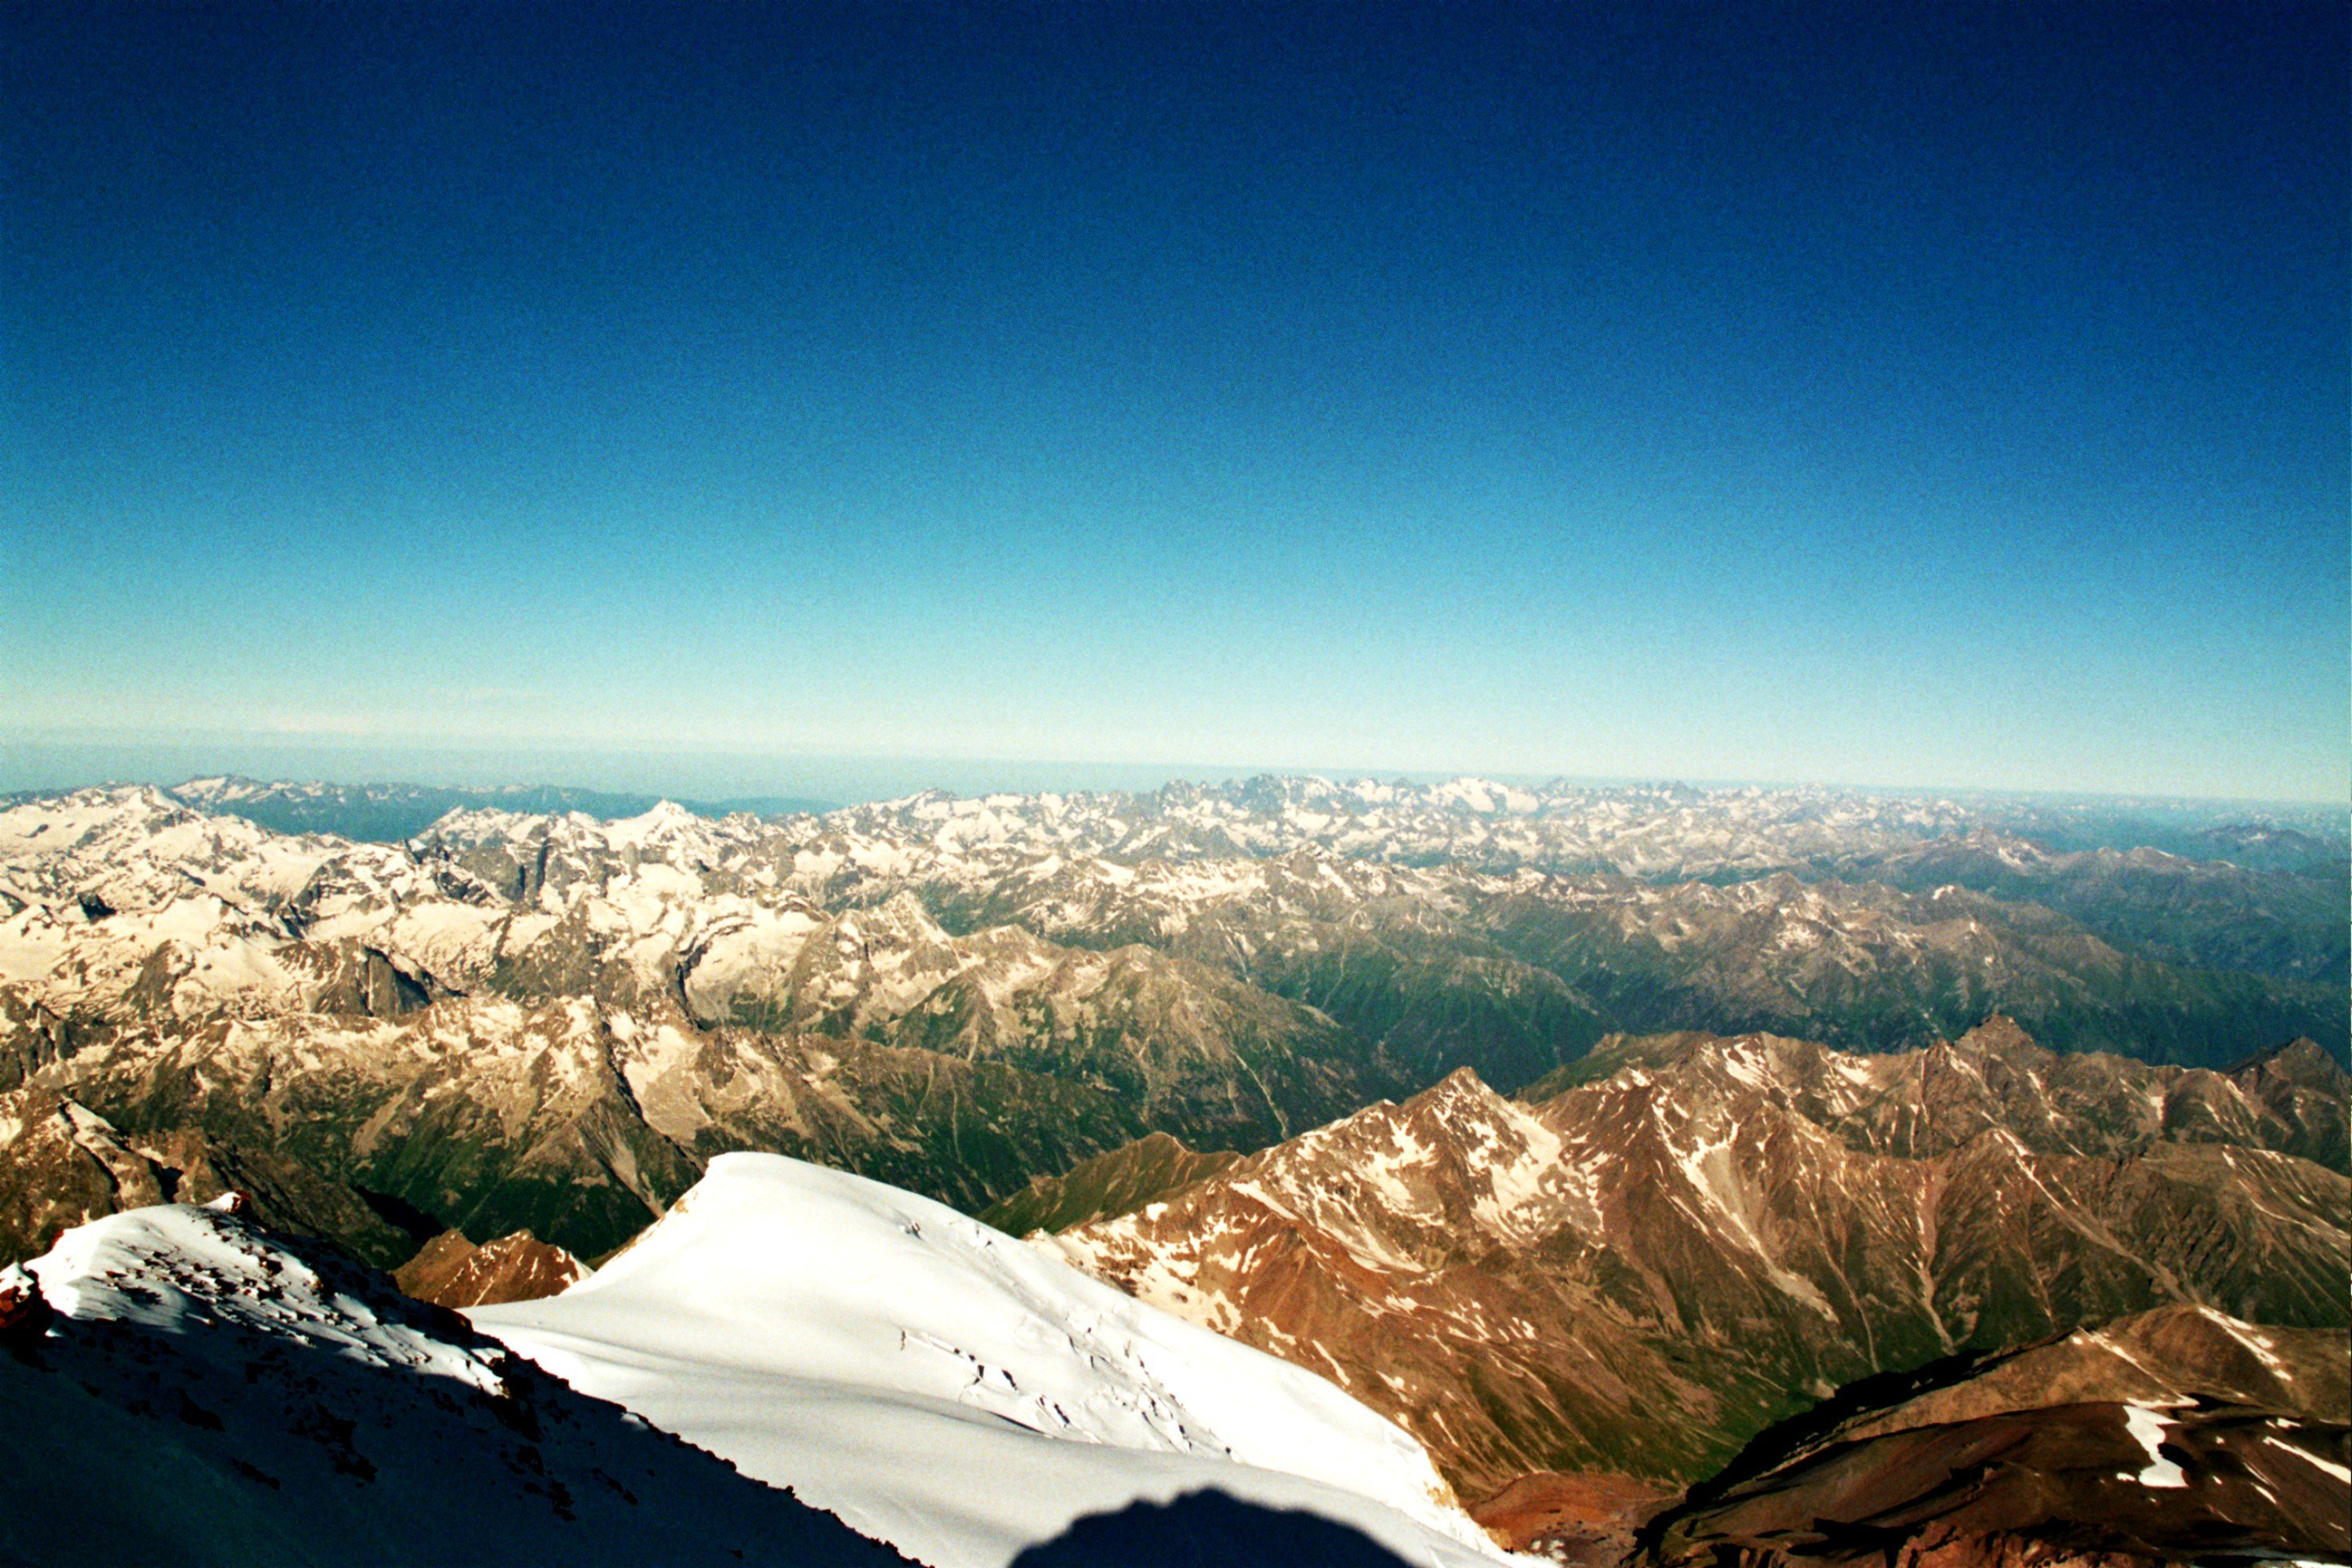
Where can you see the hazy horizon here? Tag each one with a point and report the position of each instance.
(705, 778)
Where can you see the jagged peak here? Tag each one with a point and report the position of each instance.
(901, 915)
(663, 821)
(476, 824)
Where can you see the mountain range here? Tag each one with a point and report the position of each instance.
(389, 813)
(1698, 1236)
(553, 1022)
(1675, 1176)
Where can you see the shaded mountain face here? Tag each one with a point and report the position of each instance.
(1638, 1273)
(2312, 850)
(2202, 913)
(546, 1021)
(2172, 1435)
(1865, 966)
(2101, 1482)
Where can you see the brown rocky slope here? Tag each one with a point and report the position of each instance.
(1640, 1272)
(2173, 1435)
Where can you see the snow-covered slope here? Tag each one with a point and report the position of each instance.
(940, 1384)
(181, 1388)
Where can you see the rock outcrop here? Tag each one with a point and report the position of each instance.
(451, 1271)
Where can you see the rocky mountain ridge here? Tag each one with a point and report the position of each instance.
(2178, 1434)
(451, 1271)
(1638, 1272)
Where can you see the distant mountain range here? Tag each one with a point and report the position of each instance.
(552, 1022)
(388, 813)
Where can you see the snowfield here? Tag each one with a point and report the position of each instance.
(944, 1387)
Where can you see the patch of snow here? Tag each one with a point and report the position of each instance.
(2149, 1426)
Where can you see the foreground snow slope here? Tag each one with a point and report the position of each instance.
(945, 1387)
(182, 1389)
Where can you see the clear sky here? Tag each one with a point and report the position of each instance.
(1947, 395)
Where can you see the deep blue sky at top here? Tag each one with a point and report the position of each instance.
(1885, 393)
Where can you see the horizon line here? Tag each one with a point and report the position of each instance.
(1198, 776)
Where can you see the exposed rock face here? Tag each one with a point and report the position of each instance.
(451, 1271)
(2176, 1435)
(1639, 1273)
(25, 1313)
(553, 1022)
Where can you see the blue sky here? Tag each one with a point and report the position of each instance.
(1864, 393)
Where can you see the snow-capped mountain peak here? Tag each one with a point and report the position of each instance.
(817, 1329)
